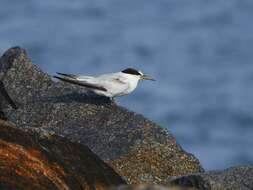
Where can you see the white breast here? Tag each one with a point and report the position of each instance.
(132, 82)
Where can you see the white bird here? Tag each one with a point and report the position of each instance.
(110, 85)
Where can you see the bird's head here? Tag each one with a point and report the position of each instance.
(138, 74)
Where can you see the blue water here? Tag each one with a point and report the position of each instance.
(200, 52)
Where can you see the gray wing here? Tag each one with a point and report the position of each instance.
(77, 77)
(73, 79)
(113, 82)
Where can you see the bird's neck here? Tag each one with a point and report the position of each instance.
(133, 82)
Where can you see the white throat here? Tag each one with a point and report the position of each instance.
(132, 80)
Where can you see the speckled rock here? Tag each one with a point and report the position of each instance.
(37, 160)
(236, 178)
(149, 187)
(138, 149)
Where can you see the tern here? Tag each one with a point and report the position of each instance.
(110, 85)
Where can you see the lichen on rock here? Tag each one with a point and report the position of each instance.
(29, 160)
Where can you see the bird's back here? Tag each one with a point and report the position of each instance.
(110, 85)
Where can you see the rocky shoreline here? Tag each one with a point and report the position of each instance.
(96, 144)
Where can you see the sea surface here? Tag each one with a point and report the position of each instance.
(199, 51)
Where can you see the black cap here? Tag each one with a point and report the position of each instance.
(131, 71)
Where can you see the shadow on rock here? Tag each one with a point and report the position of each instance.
(79, 97)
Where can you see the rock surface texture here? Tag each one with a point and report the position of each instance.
(32, 160)
(236, 178)
(135, 147)
(150, 187)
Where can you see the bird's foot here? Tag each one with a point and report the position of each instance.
(113, 103)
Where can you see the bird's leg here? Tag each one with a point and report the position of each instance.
(113, 102)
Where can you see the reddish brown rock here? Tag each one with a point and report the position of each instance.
(32, 160)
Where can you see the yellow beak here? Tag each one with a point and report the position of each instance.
(146, 77)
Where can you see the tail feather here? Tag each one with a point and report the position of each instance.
(68, 75)
(80, 83)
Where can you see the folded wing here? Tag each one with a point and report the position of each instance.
(77, 80)
(115, 83)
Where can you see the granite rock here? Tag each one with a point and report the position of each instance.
(138, 149)
(149, 187)
(235, 178)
